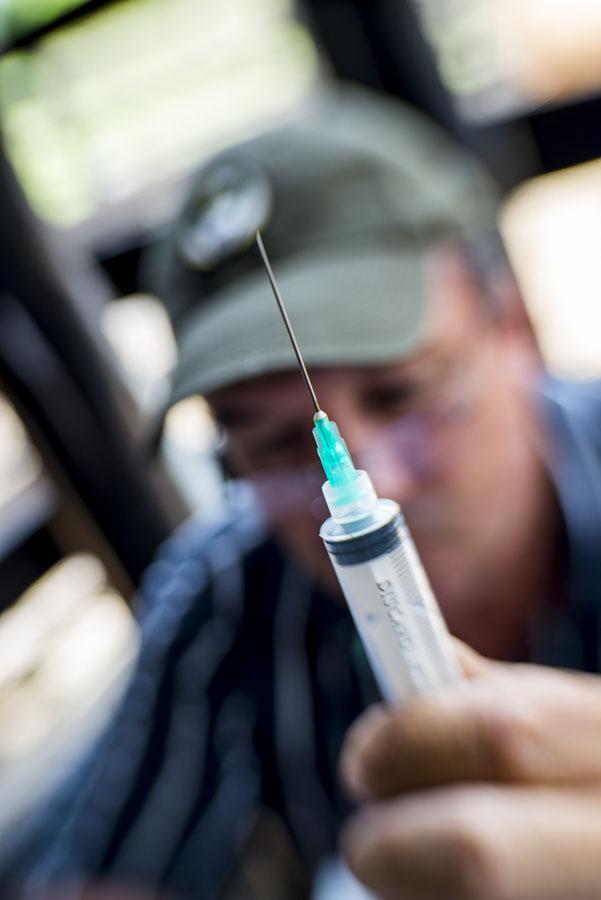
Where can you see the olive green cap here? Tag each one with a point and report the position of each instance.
(349, 201)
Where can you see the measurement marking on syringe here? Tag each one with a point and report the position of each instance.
(391, 604)
(406, 576)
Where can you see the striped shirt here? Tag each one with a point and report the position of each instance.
(246, 682)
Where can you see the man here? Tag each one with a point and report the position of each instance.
(250, 673)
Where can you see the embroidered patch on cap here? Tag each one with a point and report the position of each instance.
(228, 206)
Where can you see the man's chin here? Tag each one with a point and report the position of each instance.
(328, 584)
(466, 611)
(322, 573)
(311, 557)
(450, 584)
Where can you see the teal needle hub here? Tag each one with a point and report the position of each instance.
(334, 455)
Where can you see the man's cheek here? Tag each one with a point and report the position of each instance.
(301, 540)
(289, 496)
(300, 534)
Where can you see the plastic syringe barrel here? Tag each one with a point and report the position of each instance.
(392, 604)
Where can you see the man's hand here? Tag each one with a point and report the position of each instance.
(490, 791)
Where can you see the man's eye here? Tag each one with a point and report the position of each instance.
(410, 396)
(392, 398)
(292, 442)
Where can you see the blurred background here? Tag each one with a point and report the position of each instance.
(106, 107)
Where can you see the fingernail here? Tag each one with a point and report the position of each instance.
(353, 780)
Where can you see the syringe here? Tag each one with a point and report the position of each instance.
(379, 570)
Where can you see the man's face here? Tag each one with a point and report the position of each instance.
(446, 433)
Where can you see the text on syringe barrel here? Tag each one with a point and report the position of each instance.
(392, 604)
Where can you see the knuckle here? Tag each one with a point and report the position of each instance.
(508, 747)
(357, 737)
(474, 856)
(349, 841)
(365, 732)
(384, 740)
(364, 760)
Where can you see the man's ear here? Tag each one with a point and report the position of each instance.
(497, 293)
(495, 297)
(514, 325)
(223, 451)
(508, 302)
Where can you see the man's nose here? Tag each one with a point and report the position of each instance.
(390, 469)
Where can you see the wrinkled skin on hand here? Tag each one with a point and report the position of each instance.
(489, 791)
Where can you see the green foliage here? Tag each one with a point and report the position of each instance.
(18, 17)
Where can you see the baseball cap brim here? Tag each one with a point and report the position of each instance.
(365, 308)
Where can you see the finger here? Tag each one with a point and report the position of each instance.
(472, 663)
(522, 724)
(479, 843)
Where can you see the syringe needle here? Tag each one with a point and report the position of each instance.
(280, 303)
